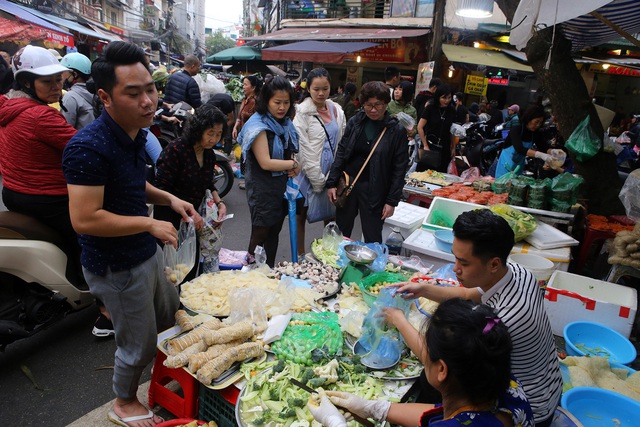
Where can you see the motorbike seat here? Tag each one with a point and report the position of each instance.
(14, 225)
(492, 141)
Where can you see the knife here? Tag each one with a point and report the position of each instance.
(305, 387)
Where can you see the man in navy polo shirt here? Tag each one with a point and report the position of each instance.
(105, 167)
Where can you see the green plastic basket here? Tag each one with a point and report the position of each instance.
(212, 406)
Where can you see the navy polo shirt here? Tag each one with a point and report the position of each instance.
(102, 154)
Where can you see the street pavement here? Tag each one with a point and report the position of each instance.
(58, 376)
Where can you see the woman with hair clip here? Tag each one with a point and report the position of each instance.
(320, 123)
(269, 140)
(466, 352)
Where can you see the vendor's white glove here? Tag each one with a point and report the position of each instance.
(541, 155)
(376, 409)
(327, 414)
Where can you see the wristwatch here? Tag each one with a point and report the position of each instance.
(295, 164)
(220, 202)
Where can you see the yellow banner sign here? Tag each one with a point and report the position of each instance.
(476, 85)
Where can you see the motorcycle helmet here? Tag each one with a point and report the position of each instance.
(35, 60)
(78, 62)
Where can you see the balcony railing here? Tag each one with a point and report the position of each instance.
(90, 11)
(332, 9)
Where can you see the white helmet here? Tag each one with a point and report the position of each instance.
(36, 60)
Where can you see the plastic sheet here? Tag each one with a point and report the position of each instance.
(630, 195)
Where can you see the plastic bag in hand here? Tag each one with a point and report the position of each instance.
(406, 120)
(210, 234)
(178, 263)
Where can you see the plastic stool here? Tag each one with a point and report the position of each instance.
(183, 407)
(618, 271)
(592, 237)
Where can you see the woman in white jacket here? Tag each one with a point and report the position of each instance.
(320, 123)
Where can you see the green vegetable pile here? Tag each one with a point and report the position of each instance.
(310, 338)
(520, 222)
(323, 255)
(234, 89)
(269, 399)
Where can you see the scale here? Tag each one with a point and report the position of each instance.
(360, 257)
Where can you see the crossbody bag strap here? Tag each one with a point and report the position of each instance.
(369, 157)
(325, 132)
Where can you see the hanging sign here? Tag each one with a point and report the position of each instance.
(476, 85)
(425, 74)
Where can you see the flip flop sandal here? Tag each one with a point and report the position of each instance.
(123, 422)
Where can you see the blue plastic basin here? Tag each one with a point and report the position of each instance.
(594, 339)
(444, 240)
(595, 407)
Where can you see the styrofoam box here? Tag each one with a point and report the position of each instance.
(450, 208)
(406, 217)
(570, 298)
(560, 257)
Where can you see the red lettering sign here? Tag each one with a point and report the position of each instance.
(502, 81)
(389, 51)
(59, 38)
(623, 71)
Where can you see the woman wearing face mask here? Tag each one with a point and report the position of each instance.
(269, 140)
(434, 127)
(524, 140)
(320, 124)
(77, 103)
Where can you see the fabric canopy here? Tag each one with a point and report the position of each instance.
(73, 26)
(340, 33)
(490, 58)
(18, 31)
(576, 19)
(315, 51)
(239, 53)
(54, 34)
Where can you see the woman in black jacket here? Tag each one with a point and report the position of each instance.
(379, 188)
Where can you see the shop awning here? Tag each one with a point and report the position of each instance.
(72, 26)
(339, 33)
(315, 51)
(54, 34)
(490, 58)
(19, 31)
(105, 35)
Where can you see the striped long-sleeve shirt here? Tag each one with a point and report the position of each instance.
(519, 303)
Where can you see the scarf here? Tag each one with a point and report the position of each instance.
(286, 137)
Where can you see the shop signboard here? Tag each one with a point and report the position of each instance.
(387, 51)
(476, 85)
(425, 74)
(497, 80)
(424, 8)
(114, 29)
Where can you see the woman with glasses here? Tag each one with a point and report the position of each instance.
(434, 128)
(378, 188)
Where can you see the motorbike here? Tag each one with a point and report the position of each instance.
(479, 151)
(38, 284)
(168, 132)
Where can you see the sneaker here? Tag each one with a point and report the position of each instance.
(103, 327)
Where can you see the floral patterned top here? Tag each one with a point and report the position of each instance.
(513, 402)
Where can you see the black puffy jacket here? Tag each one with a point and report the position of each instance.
(388, 163)
(182, 87)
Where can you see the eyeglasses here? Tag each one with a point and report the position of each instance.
(378, 106)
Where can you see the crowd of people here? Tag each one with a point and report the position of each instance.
(83, 171)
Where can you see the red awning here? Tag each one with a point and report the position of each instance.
(339, 33)
(17, 31)
(315, 51)
(53, 33)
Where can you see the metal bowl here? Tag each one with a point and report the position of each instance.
(360, 254)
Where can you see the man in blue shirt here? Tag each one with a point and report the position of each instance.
(104, 165)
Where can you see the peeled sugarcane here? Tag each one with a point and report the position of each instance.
(196, 361)
(176, 345)
(240, 331)
(214, 368)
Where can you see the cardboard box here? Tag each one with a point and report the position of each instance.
(570, 298)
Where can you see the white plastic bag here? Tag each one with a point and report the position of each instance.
(630, 195)
(178, 263)
(209, 86)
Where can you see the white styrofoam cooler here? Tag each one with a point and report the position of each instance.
(406, 217)
(560, 257)
(571, 297)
